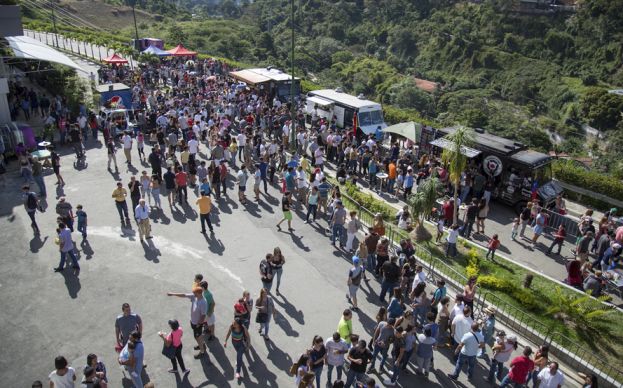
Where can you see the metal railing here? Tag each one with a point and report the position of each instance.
(554, 220)
(521, 322)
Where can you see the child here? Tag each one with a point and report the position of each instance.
(515, 228)
(140, 145)
(81, 215)
(494, 244)
(440, 223)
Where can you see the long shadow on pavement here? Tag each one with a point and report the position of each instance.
(290, 309)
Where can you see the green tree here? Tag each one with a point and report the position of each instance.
(422, 203)
(456, 161)
(175, 35)
(602, 109)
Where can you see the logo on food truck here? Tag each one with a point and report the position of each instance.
(492, 165)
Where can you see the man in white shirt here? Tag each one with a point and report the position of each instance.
(458, 307)
(461, 324)
(141, 213)
(336, 349)
(241, 139)
(127, 147)
(551, 377)
(469, 346)
(193, 147)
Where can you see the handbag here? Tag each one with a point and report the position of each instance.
(261, 317)
(168, 351)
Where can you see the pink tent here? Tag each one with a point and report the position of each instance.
(181, 51)
(115, 59)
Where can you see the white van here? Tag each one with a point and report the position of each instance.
(328, 103)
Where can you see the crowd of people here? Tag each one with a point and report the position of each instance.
(199, 131)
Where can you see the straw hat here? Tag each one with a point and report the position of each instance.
(489, 310)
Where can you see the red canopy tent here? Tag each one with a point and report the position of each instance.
(181, 51)
(115, 59)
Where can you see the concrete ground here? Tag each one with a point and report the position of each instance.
(47, 313)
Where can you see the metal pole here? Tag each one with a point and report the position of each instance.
(135, 27)
(292, 107)
(54, 24)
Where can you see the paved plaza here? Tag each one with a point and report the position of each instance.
(46, 314)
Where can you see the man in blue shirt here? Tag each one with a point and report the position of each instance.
(408, 183)
(290, 178)
(263, 174)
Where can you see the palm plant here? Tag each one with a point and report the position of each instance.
(422, 203)
(584, 314)
(456, 160)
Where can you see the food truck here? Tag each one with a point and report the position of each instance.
(519, 174)
(269, 80)
(348, 110)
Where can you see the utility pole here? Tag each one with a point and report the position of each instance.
(54, 24)
(133, 2)
(292, 106)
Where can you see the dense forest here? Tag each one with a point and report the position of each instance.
(537, 78)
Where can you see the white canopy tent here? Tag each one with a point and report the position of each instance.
(29, 48)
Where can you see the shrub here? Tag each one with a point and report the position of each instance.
(577, 176)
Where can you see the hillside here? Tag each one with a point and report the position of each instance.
(535, 77)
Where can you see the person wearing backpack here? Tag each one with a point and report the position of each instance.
(31, 204)
(354, 280)
(266, 272)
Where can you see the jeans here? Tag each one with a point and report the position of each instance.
(464, 193)
(318, 372)
(82, 228)
(337, 230)
(352, 377)
(395, 371)
(265, 326)
(240, 348)
(267, 285)
(27, 175)
(311, 209)
(73, 258)
(178, 358)
(33, 222)
(507, 380)
(387, 286)
(41, 184)
(122, 208)
(406, 358)
(137, 380)
(451, 249)
(156, 194)
(554, 243)
(377, 350)
(390, 185)
(182, 190)
(371, 263)
(205, 218)
(496, 369)
(467, 228)
(277, 273)
(423, 364)
(471, 363)
(338, 368)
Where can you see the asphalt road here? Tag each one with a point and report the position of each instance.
(46, 314)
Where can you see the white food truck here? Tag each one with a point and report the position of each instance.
(329, 103)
